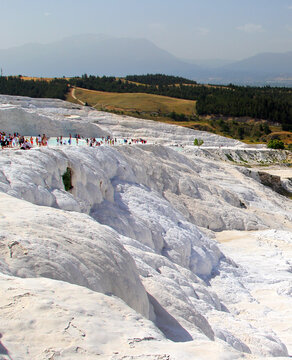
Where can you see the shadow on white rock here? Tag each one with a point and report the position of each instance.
(43, 242)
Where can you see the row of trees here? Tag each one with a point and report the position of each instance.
(268, 103)
(13, 85)
(159, 79)
(156, 84)
(152, 84)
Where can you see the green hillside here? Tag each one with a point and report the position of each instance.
(251, 114)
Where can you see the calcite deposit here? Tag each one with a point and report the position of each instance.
(158, 251)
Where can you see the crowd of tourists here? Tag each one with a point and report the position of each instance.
(16, 140)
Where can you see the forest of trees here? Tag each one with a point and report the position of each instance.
(269, 103)
(15, 85)
(159, 79)
(272, 104)
(154, 85)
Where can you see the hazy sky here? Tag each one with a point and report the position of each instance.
(194, 29)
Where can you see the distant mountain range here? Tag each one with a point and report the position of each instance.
(93, 54)
(265, 68)
(104, 55)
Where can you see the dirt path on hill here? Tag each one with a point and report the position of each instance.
(74, 97)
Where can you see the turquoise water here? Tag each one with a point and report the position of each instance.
(53, 141)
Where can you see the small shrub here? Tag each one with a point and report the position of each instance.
(67, 179)
(178, 117)
(198, 142)
(266, 129)
(276, 144)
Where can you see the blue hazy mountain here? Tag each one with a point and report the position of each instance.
(262, 69)
(93, 54)
(105, 55)
(265, 63)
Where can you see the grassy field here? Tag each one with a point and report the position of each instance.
(130, 103)
(158, 108)
(176, 111)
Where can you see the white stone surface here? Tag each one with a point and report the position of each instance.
(56, 117)
(126, 264)
(45, 116)
(43, 242)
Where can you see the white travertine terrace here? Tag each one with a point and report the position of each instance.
(127, 265)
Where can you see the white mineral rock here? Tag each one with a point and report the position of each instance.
(126, 264)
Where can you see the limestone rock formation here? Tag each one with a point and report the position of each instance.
(156, 252)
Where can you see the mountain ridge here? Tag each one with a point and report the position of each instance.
(100, 54)
(264, 62)
(105, 56)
